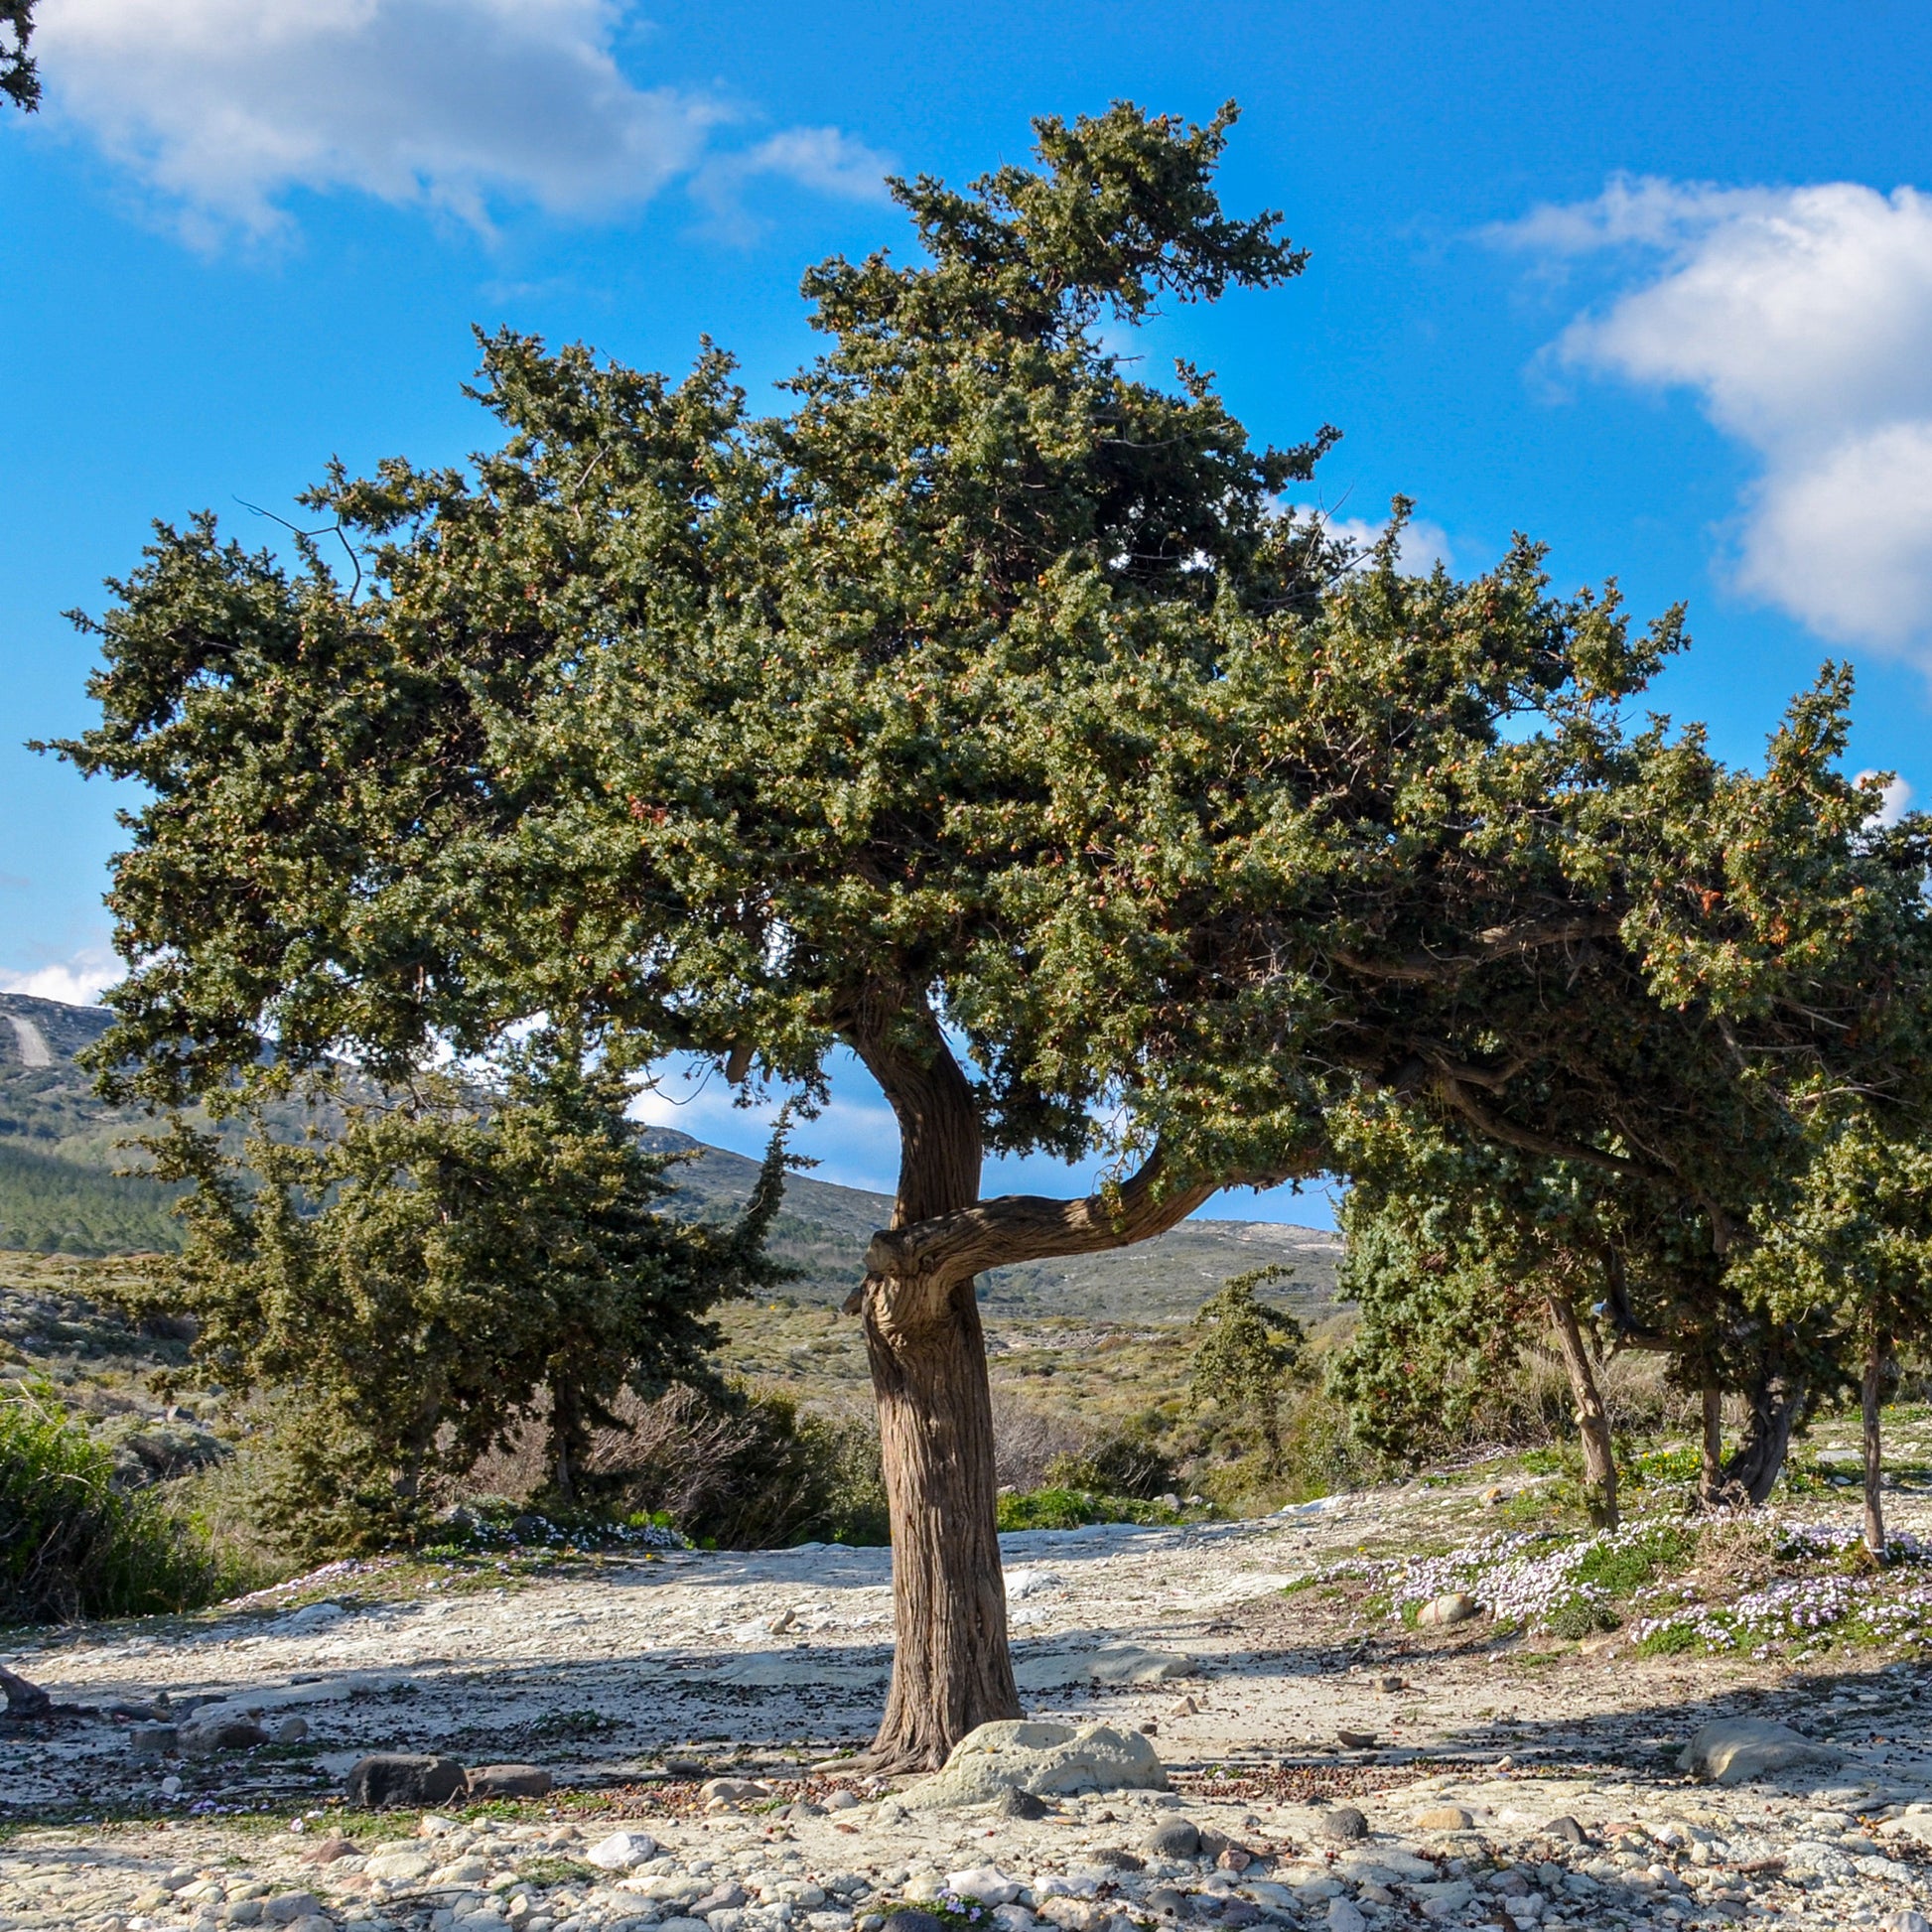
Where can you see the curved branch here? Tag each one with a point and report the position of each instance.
(1478, 1117)
(1035, 1227)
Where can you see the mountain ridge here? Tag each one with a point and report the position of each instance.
(58, 1193)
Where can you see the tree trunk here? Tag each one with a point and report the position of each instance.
(1592, 1420)
(951, 1671)
(1872, 1389)
(1777, 1406)
(1711, 1477)
(952, 1667)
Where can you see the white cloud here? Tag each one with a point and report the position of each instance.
(226, 106)
(78, 982)
(1895, 802)
(1421, 546)
(1802, 318)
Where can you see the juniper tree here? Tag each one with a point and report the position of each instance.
(20, 80)
(980, 713)
(1628, 1101)
(1852, 1242)
(439, 1267)
(1244, 1356)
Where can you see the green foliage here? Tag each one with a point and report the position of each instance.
(416, 1287)
(73, 1542)
(1121, 1463)
(1061, 1508)
(19, 80)
(1851, 1240)
(1245, 1357)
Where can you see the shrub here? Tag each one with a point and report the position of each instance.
(1126, 1463)
(73, 1544)
(746, 1468)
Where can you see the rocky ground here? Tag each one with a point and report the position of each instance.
(1500, 1779)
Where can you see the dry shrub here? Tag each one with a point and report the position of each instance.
(1735, 1554)
(749, 1470)
(1028, 1440)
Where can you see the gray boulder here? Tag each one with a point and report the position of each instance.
(509, 1781)
(1733, 1751)
(1172, 1838)
(404, 1778)
(1342, 1822)
(1036, 1758)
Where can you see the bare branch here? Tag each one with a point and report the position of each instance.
(1498, 942)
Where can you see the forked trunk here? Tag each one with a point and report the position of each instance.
(1870, 1392)
(951, 1668)
(1592, 1418)
(951, 1671)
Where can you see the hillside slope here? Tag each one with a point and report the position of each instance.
(58, 1193)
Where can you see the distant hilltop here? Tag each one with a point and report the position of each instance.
(58, 1193)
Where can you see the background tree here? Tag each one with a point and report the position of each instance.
(417, 1287)
(1246, 1355)
(1852, 1243)
(1732, 939)
(20, 80)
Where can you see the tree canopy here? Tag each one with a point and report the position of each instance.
(984, 711)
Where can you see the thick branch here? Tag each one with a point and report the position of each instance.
(1034, 1227)
(1498, 942)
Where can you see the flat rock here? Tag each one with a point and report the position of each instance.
(1733, 1751)
(985, 1883)
(218, 1734)
(1018, 1753)
(620, 1851)
(1443, 1818)
(404, 1778)
(509, 1781)
(1112, 1663)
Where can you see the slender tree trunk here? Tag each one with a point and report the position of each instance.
(1592, 1420)
(952, 1667)
(1872, 1389)
(1711, 1477)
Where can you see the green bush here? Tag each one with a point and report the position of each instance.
(73, 1542)
(1125, 1463)
(1059, 1508)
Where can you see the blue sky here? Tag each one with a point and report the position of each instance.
(1651, 282)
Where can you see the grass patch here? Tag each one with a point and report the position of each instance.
(1072, 1509)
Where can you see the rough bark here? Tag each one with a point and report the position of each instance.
(1870, 1392)
(951, 1669)
(1777, 1406)
(1592, 1418)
